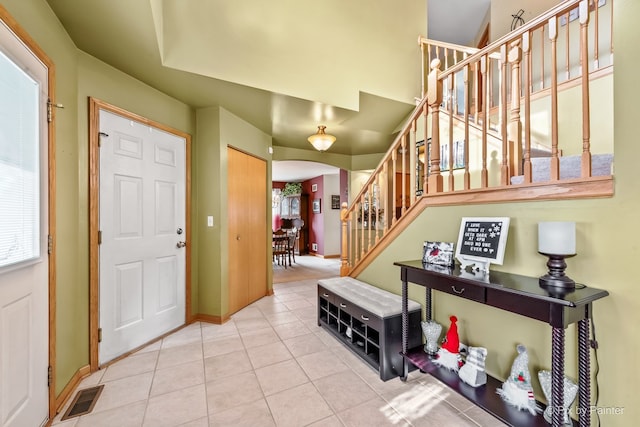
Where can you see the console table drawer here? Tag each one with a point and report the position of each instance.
(463, 290)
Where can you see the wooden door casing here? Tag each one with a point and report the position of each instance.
(95, 106)
(27, 287)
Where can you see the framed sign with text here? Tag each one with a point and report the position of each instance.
(482, 241)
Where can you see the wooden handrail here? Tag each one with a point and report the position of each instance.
(455, 47)
(538, 22)
(458, 147)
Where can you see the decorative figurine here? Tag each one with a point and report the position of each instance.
(431, 330)
(517, 390)
(473, 372)
(448, 356)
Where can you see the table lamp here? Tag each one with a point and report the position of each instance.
(557, 240)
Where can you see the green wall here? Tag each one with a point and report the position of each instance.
(99, 80)
(217, 128)
(206, 201)
(608, 243)
(607, 238)
(72, 348)
(237, 133)
(78, 76)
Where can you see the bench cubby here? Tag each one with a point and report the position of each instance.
(368, 321)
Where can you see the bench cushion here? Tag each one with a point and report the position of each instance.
(375, 300)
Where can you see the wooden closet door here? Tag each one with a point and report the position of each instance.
(247, 219)
(256, 246)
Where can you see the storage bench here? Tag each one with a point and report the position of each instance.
(368, 320)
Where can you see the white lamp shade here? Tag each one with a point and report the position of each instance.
(557, 238)
(321, 141)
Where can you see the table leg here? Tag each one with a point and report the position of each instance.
(405, 331)
(584, 374)
(557, 377)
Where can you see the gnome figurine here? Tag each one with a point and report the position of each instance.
(473, 372)
(517, 389)
(448, 356)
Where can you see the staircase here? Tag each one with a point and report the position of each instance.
(482, 121)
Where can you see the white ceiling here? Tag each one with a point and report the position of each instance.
(298, 171)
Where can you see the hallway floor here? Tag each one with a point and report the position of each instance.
(270, 365)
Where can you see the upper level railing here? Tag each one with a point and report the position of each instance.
(509, 122)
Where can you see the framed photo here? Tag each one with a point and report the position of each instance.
(314, 188)
(438, 253)
(482, 241)
(316, 206)
(335, 201)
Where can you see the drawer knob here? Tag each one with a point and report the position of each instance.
(342, 305)
(363, 317)
(456, 290)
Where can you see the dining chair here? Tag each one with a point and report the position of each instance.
(280, 247)
(292, 236)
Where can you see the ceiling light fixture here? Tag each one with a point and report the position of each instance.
(320, 140)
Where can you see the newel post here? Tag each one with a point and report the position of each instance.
(344, 247)
(434, 99)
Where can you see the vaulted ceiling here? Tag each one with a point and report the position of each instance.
(284, 66)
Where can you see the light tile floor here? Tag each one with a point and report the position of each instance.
(270, 365)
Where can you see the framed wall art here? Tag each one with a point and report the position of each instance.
(335, 201)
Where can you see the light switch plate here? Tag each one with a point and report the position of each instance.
(210, 221)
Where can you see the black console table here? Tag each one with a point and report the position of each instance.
(520, 295)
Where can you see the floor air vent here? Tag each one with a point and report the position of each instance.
(84, 402)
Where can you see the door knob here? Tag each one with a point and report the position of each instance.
(181, 244)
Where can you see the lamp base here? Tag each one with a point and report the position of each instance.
(563, 282)
(555, 276)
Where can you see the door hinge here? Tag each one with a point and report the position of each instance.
(100, 135)
(99, 237)
(49, 375)
(50, 106)
(99, 334)
(49, 244)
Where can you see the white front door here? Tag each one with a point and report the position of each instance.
(142, 221)
(24, 218)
